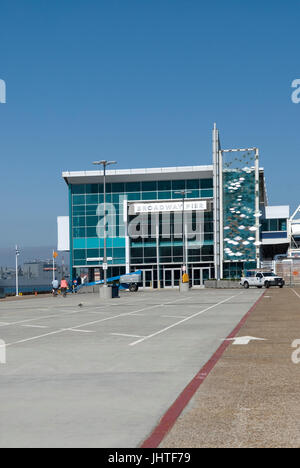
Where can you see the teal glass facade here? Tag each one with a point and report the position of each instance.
(86, 211)
(274, 225)
(144, 249)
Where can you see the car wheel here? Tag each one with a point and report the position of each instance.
(281, 285)
(259, 287)
(267, 284)
(133, 287)
(246, 285)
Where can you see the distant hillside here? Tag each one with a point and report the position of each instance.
(8, 258)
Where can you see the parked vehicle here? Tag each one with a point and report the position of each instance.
(261, 279)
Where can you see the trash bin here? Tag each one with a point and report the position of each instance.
(115, 291)
(2, 293)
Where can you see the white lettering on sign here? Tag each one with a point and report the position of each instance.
(169, 207)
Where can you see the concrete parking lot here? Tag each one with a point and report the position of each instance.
(85, 373)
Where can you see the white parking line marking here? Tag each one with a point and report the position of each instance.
(3, 324)
(124, 334)
(43, 318)
(174, 316)
(182, 321)
(84, 324)
(78, 330)
(34, 326)
(125, 314)
(35, 338)
(295, 293)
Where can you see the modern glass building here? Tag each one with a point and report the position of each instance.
(222, 225)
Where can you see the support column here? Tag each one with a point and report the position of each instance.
(127, 239)
(216, 185)
(157, 250)
(257, 219)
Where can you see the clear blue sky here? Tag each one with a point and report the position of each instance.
(140, 81)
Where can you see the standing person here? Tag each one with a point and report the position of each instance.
(55, 286)
(64, 286)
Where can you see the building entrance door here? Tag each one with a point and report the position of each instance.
(147, 278)
(199, 275)
(172, 277)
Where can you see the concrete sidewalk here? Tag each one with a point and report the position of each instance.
(251, 398)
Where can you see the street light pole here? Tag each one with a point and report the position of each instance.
(17, 272)
(183, 193)
(104, 164)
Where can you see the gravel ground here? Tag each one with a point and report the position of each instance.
(252, 396)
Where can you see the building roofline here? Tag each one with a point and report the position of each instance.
(119, 175)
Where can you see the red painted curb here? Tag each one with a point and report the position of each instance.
(172, 414)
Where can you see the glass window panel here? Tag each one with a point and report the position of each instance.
(165, 252)
(149, 252)
(282, 225)
(78, 199)
(118, 187)
(79, 210)
(133, 187)
(149, 186)
(136, 252)
(206, 193)
(149, 195)
(79, 254)
(118, 253)
(206, 183)
(91, 209)
(91, 232)
(273, 225)
(192, 184)
(92, 188)
(134, 196)
(92, 199)
(164, 195)
(178, 184)
(176, 195)
(92, 220)
(116, 198)
(78, 189)
(92, 253)
(193, 194)
(164, 185)
(78, 232)
(78, 221)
